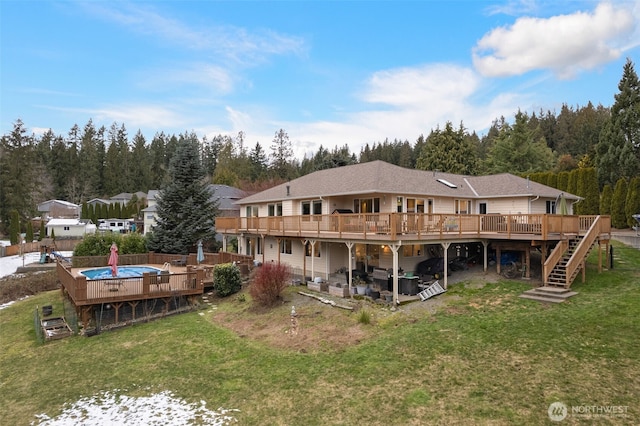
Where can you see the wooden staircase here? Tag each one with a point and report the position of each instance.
(558, 275)
(562, 267)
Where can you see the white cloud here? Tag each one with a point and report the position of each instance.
(409, 102)
(235, 44)
(132, 116)
(565, 44)
(207, 79)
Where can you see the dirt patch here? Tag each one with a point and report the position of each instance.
(316, 326)
(321, 327)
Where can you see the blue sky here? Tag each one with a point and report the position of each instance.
(327, 72)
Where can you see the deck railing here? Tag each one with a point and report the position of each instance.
(413, 225)
(149, 286)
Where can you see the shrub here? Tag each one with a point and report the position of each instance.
(268, 282)
(100, 244)
(226, 279)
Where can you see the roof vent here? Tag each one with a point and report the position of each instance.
(447, 183)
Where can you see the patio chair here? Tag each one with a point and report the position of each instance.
(180, 262)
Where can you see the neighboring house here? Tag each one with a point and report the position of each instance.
(98, 202)
(66, 228)
(225, 196)
(149, 212)
(125, 197)
(378, 216)
(58, 208)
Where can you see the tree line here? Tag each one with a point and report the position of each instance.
(599, 146)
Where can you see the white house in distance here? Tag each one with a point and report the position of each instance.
(377, 216)
(149, 212)
(75, 228)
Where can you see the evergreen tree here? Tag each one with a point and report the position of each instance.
(588, 189)
(618, 201)
(29, 232)
(632, 205)
(157, 161)
(516, 150)
(618, 151)
(141, 172)
(14, 227)
(258, 163)
(449, 151)
(185, 210)
(20, 174)
(282, 155)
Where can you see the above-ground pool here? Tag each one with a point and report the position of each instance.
(123, 272)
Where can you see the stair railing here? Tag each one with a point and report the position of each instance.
(582, 251)
(553, 259)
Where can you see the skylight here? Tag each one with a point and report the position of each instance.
(446, 182)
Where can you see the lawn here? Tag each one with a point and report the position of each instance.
(484, 356)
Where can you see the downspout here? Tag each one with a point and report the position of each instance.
(531, 201)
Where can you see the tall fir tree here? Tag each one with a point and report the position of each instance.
(618, 201)
(618, 149)
(185, 210)
(632, 204)
(450, 151)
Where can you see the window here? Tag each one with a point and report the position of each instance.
(252, 211)
(551, 207)
(307, 250)
(312, 208)
(366, 205)
(66, 228)
(259, 246)
(285, 246)
(411, 205)
(275, 209)
(463, 206)
(412, 250)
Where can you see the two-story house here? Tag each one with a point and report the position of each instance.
(377, 215)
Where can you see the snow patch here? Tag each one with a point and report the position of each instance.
(161, 409)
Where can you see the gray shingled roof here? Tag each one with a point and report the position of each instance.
(226, 196)
(381, 177)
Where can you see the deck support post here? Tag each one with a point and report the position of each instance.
(349, 245)
(133, 305)
(304, 260)
(313, 255)
(394, 249)
(485, 245)
(116, 306)
(446, 262)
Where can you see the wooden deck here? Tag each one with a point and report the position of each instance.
(415, 227)
(180, 283)
(183, 282)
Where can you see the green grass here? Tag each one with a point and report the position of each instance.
(486, 357)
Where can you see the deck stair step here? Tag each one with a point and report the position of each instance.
(548, 294)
